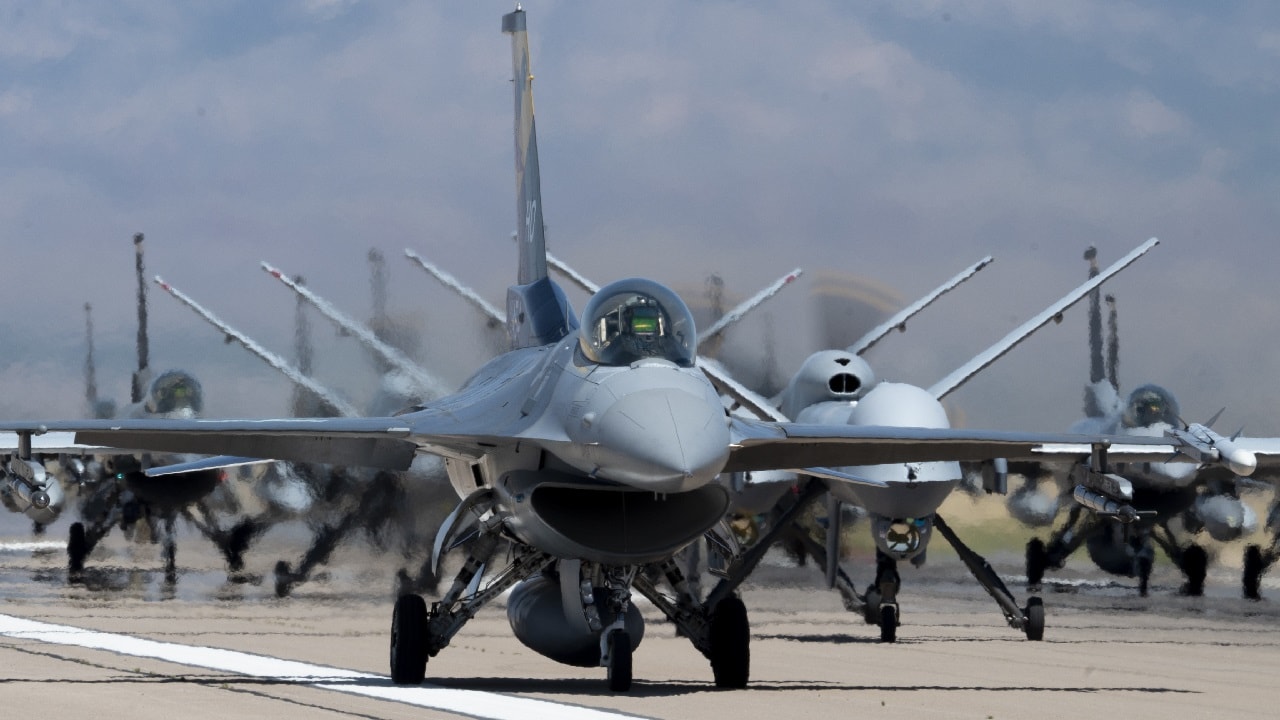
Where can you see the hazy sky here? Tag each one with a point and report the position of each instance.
(896, 141)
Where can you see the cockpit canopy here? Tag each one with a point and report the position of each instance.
(1151, 404)
(634, 319)
(174, 391)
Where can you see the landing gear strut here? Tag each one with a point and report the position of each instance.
(1030, 619)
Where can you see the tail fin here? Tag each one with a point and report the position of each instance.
(1097, 370)
(142, 377)
(1113, 343)
(537, 311)
(90, 371)
(529, 235)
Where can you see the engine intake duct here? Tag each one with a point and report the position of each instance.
(625, 522)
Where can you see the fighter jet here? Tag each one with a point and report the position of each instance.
(117, 492)
(591, 448)
(1146, 498)
(335, 501)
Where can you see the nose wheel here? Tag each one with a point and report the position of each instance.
(1033, 615)
(889, 622)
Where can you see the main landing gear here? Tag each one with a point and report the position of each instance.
(1126, 550)
(1028, 619)
(574, 612)
(1258, 560)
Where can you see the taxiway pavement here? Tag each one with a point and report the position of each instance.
(73, 650)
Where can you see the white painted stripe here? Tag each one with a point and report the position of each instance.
(472, 703)
(33, 545)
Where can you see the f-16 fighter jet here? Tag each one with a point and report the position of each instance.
(1145, 498)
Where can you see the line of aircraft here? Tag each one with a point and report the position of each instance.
(598, 446)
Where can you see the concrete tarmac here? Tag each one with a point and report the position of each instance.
(1105, 650)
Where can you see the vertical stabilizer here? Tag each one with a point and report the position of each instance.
(1113, 343)
(142, 377)
(90, 371)
(1097, 370)
(529, 235)
(537, 311)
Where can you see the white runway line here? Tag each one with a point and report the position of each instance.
(33, 545)
(471, 703)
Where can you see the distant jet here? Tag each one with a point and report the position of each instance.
(1147, 497)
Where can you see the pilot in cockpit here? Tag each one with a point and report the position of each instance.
(1149, 405)
(631, 324)
(634, 330)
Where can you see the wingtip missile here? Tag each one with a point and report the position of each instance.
(1202, 444)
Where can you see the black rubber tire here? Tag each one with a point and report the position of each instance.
(871, 608)
(1144, 576)
(408, 640)
(1252, 575)
(730, 637)
(284, 579)
(170, 554)
(1034, 612)
(1037, 562)
(1195, 564)
(619, 661)
(889, 623)
(237, 542)
(77, 548)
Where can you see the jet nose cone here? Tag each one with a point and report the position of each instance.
(664, 440)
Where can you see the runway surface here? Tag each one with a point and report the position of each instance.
(123, 643)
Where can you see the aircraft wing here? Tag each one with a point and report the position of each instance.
(769, 446)
(1267, 452)
(900, 318)
(469, 431)
(957, 378)
(55, 443)
(376, 442)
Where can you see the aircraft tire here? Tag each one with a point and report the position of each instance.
(1037, 562)
(77, 548)
(871, 608)
(619, 661)
(1195, 564)
(1252, 576)
(1035, 618)
(408, 640)
(284, 579)
(730, 636)
(1144, 575)
(889, 623)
